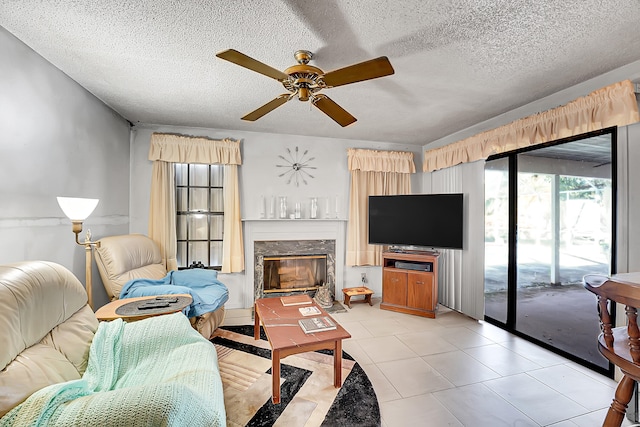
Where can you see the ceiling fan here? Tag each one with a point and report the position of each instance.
(305, 81)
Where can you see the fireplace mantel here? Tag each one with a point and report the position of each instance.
(293, 229)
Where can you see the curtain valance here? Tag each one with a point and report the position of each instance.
(381, 161)
(613, 105)
(187, 149)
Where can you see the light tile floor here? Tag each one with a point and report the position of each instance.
(456, 371)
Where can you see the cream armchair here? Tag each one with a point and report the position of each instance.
(135, 256)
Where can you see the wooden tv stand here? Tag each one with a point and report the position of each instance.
(410, 291)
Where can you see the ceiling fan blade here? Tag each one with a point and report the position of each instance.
(245, 61)
(367, 70)
(333, 110)
(268, 107)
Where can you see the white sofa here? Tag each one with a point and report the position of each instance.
(57, 363)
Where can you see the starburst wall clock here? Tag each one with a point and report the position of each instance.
(297, 165)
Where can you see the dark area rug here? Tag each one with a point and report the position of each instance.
(307, 393)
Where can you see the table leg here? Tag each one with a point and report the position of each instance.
(337, 364)
(256, 324)
(347, 300)
(368, 299)
(275, 376)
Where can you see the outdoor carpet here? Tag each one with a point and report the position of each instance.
(308, 397)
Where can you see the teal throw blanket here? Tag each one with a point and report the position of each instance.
(154, 372)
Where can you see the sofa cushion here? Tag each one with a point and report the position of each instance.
(127, 257)
(35, 368)
(35, 297)
(47, 328)
(73, 337)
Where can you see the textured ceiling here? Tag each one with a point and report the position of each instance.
(456, 63)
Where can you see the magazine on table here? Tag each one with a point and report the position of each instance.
(309, 311)
(317, 324)
(295, 300)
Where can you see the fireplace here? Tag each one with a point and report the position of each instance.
(284, 267)
(329, 235)
(294, 273)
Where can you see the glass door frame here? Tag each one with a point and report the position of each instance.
(512, 240)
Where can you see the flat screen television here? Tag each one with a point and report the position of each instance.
(426, 220)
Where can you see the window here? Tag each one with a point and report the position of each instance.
(199, 214)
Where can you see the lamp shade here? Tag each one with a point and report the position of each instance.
(77, 209)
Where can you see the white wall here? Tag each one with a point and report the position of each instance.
(57, 140)
(259, 176)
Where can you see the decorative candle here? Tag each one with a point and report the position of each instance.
(262, 211)
(337, 209)
(272, 207)
(283, 207)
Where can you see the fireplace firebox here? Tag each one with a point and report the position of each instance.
(294, 273)
(283, 267)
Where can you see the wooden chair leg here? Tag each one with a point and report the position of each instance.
(618, 408)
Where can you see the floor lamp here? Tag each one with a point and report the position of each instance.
(77, 210)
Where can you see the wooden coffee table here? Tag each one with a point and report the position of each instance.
(286, 337)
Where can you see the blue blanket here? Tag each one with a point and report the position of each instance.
(207, 291)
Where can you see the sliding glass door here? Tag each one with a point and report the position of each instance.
(496, 229)
(549, 216)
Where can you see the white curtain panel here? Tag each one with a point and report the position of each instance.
(461, 272)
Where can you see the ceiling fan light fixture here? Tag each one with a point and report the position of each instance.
(303, 56)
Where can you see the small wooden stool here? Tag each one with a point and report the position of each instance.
(350, 292)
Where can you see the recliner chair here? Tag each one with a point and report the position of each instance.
(135, 256)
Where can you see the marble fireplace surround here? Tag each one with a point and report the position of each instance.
(277, 248)
(289, 232)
